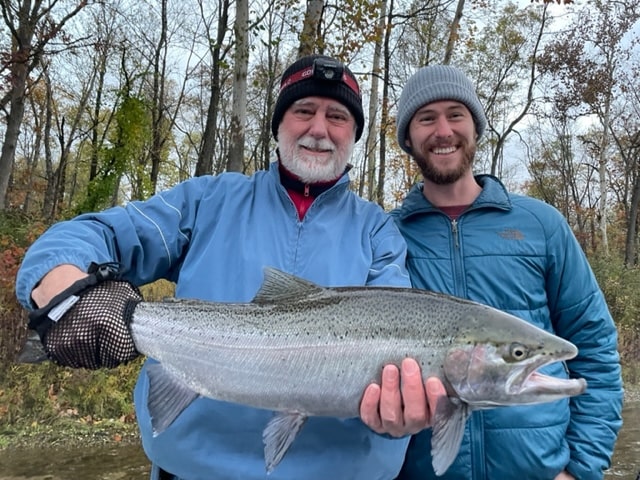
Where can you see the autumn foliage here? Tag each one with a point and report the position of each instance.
(37, 395)
(16, 234)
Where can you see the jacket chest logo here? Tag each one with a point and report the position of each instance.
(511, 234)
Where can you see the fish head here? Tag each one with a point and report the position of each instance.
(497, 363)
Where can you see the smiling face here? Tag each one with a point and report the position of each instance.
(442, 137)
(316, 138)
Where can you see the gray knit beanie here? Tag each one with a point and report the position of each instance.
(431, 84)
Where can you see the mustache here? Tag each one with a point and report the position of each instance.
(316, 144)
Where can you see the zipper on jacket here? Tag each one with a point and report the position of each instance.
(459, 278)
(454, 232)
(477, 441)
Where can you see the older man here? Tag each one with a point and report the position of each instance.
(213, 236)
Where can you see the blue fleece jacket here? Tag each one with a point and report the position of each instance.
(518, 254)
(213, 236)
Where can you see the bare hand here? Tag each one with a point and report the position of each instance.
(398, 407)
(54, 282)
(564, 475)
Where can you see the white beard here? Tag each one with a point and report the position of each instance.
(307, 167)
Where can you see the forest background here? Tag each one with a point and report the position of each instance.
(103, 102)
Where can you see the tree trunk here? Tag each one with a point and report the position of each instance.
(632, 160)
(158, 135)
(269, 73)
(204, 166)
(49, 193)
(239, 108)
(602, 168)
(384, 118)
(32, 161)
(310, 34)
(14, 120)
(97, 107)
(631, 242)
(369, 164)
(453, 32)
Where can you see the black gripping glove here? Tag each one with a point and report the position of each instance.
(94, 331)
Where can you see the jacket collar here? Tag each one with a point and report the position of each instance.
(340, 185)
(493, 195)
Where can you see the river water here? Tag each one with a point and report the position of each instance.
(127, 462)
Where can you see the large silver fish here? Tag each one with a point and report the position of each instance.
(303, 350)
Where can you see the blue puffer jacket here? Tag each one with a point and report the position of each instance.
(213, 236)
(518, 254)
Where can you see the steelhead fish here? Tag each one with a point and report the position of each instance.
(304, 350)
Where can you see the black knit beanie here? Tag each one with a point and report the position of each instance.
(310, 76)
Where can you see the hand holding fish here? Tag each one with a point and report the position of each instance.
(403, 404)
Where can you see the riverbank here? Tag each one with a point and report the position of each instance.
(72, 433)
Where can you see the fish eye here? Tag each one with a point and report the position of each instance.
(518, 351)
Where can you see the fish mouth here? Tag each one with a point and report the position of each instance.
(528, 382)
(541, 385)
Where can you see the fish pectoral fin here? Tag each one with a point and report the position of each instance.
(278, 436)
(448, 428)
(167, 397)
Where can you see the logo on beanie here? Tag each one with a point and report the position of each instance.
(324, 72)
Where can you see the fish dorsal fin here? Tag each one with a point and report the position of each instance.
(167, 397)
(278, 436)
(279, 286)
(448, 428)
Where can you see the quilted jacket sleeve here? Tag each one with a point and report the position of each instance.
(579, 313)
